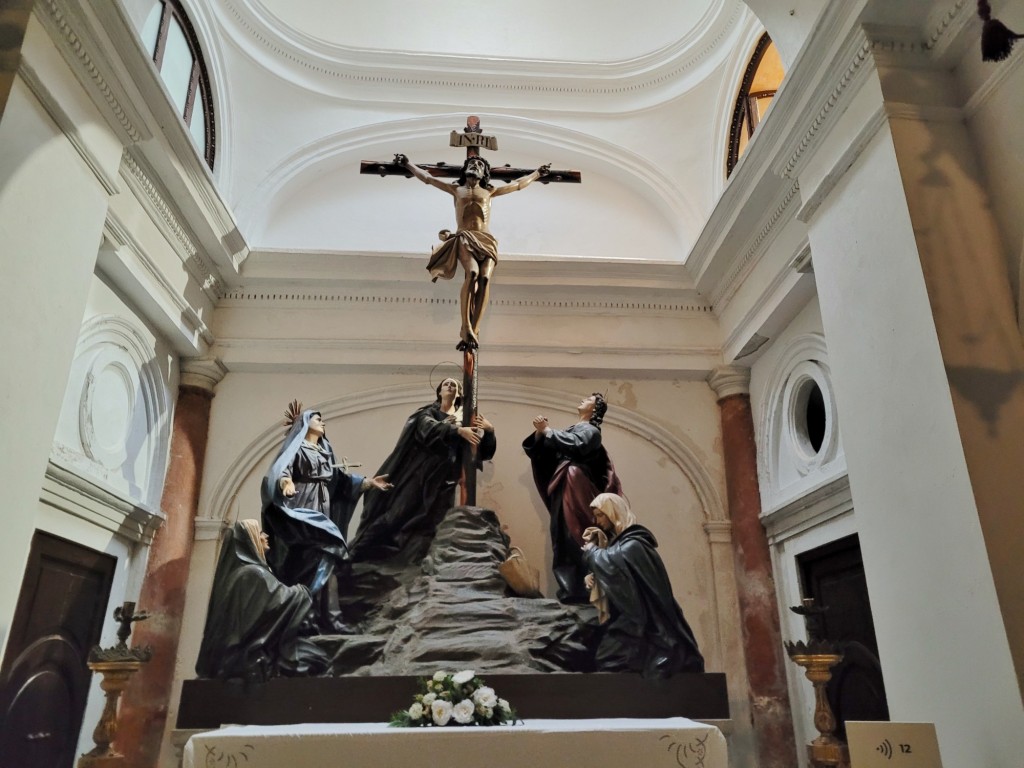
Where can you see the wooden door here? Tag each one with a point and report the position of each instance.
(834, 576)
(44, 680)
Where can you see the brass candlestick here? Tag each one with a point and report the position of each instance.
(817, 657)
(117, 665)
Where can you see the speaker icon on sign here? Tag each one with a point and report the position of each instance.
(885, 748)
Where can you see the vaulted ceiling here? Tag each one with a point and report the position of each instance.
(636, 96)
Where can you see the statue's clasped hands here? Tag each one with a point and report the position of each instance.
(595, 538)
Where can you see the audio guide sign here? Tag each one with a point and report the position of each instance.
(892, 745)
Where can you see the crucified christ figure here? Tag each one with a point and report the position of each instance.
(472, 245)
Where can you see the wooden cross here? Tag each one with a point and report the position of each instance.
(473, 139)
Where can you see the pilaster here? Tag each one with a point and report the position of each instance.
(146, 702)
(762, 639)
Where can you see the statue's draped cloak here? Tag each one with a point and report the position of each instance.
(424, 467)
(444, 259)
(253, 620)
(647, 631)
(570, 468)
(307, 530)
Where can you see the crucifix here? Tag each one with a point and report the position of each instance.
(472, 245)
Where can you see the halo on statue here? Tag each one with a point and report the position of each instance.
(457, 375)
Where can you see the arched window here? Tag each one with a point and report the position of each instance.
(761, 80)
(169, 34)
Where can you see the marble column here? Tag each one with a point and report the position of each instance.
(145, 704)
(762, 638)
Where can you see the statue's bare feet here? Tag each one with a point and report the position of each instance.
(469, 340)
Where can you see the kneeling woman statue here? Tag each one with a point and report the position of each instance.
(253, 620)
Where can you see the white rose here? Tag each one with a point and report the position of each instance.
(463, 677)
(416, 711)
(441, 712)
(428, 699)
(485, 696)
(504, 706)
(439, 676)
(463, 712)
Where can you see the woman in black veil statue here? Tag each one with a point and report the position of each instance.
(253, 620)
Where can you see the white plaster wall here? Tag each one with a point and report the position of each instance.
(926, 564)
(120, 386)
(784, 472)
(993, 95)
(139, 479)
(51, 215)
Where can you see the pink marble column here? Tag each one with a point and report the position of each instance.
(144, 706)
(759, 611)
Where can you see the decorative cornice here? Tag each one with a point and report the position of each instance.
(168, 221)
(120, 237)
(741, 268)
(152, 194)
(66, 490)
(71, 41)
(729, 380)
(261, 298)
(202, 372)
(66, 125)
(855, 68)
(947, 21)
(377, 68)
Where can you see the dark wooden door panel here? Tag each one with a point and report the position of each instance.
(44, 680)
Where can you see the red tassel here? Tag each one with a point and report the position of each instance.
(996, 39)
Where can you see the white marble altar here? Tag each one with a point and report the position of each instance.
(611, 743)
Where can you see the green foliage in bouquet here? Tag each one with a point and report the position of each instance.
(459, 698)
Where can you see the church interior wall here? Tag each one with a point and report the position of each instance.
(56, 185)
(993, 99)
(908, 511)
(67, 187)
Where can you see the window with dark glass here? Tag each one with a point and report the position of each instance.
(169, 34)
(761, 80)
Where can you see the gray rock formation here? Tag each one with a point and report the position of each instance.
(441, 604)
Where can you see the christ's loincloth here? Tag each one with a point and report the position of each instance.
(445, 257)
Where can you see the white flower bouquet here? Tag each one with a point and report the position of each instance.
(459, 698)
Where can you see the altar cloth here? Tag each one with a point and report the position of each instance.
(609, 743)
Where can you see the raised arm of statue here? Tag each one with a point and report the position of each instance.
(422, 175)
(523, 181)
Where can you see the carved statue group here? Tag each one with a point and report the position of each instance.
(273, 584)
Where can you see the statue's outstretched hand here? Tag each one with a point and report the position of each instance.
(287, 487)
(380, 482)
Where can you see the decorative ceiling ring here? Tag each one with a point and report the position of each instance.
(353, 145)
(299, 56)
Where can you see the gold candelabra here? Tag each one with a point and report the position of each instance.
(117, 665)
(817, 657)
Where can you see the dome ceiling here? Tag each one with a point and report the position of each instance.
(536, 30)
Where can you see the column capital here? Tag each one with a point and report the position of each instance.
(202, 372)
(718, 531)
(728, 380)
